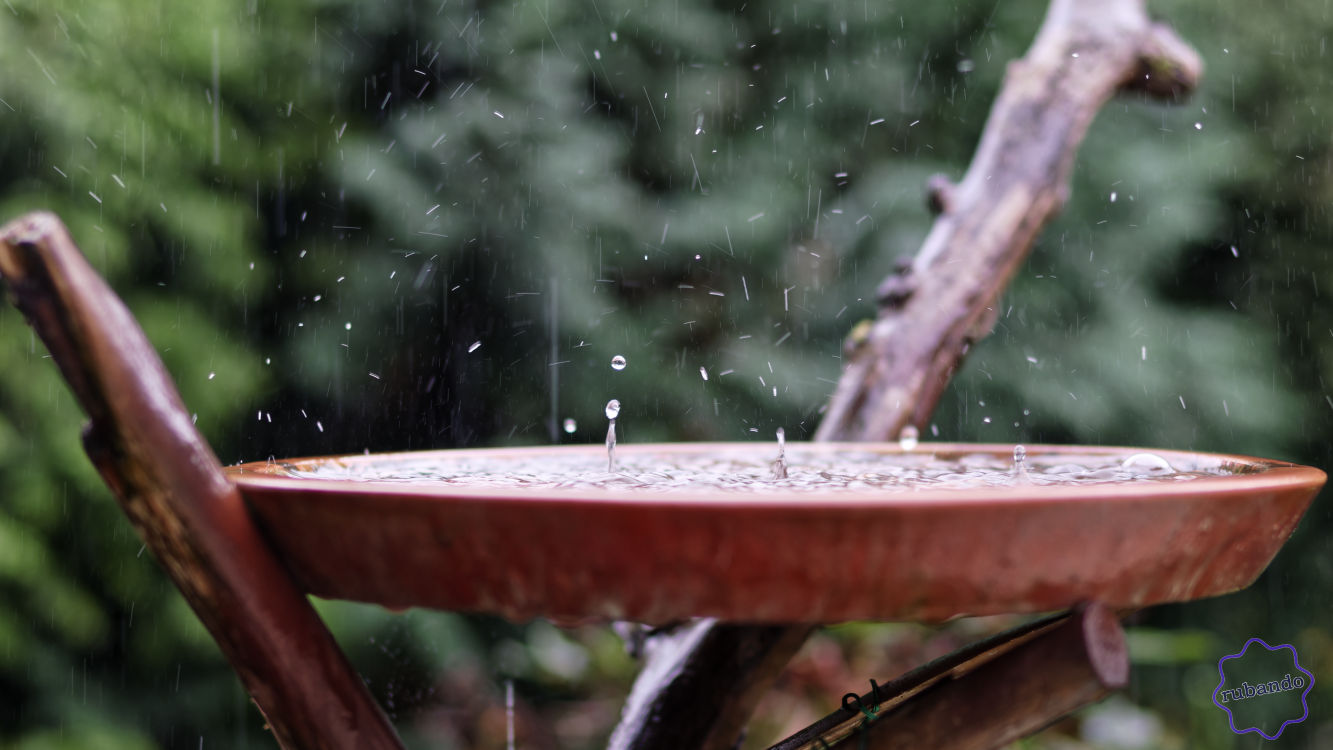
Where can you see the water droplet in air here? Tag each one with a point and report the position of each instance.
(907, 439)
(782, 441)
(1147, 463)
(703, 373)
(612, 409)
(618, 363)
(570, 426)
(475, 346)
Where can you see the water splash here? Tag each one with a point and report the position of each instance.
(907, 439)
(612, 411)
(618, 363)
(779, 465)
(1021, 465)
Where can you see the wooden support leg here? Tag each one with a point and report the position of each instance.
(754, 656)
(172, 488)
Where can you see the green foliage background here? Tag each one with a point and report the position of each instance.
(315, 209)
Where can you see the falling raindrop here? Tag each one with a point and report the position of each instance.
(612, 409)
(907, 439)
(570, 426)
(475, 346)
(509, 714)
(618, 363)
(703, 373)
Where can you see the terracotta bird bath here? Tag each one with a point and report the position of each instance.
(381, 528)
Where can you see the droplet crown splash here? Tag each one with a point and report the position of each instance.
(779, 465)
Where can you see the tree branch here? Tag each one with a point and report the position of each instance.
(1019, 177)
(931, 311)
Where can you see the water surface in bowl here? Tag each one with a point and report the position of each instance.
(754, 472)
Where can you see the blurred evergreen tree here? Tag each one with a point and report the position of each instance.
(318, 210)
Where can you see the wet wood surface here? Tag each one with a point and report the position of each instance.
(171, 486)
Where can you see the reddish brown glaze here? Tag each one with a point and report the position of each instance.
(809, 557)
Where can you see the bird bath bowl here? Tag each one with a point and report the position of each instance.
(686, 530)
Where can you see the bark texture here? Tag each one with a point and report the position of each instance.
(985, 695)
(171, 486)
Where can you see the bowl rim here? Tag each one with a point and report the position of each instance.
(1272, 476)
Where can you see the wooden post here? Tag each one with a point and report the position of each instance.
(171, 486)
(930, 313)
